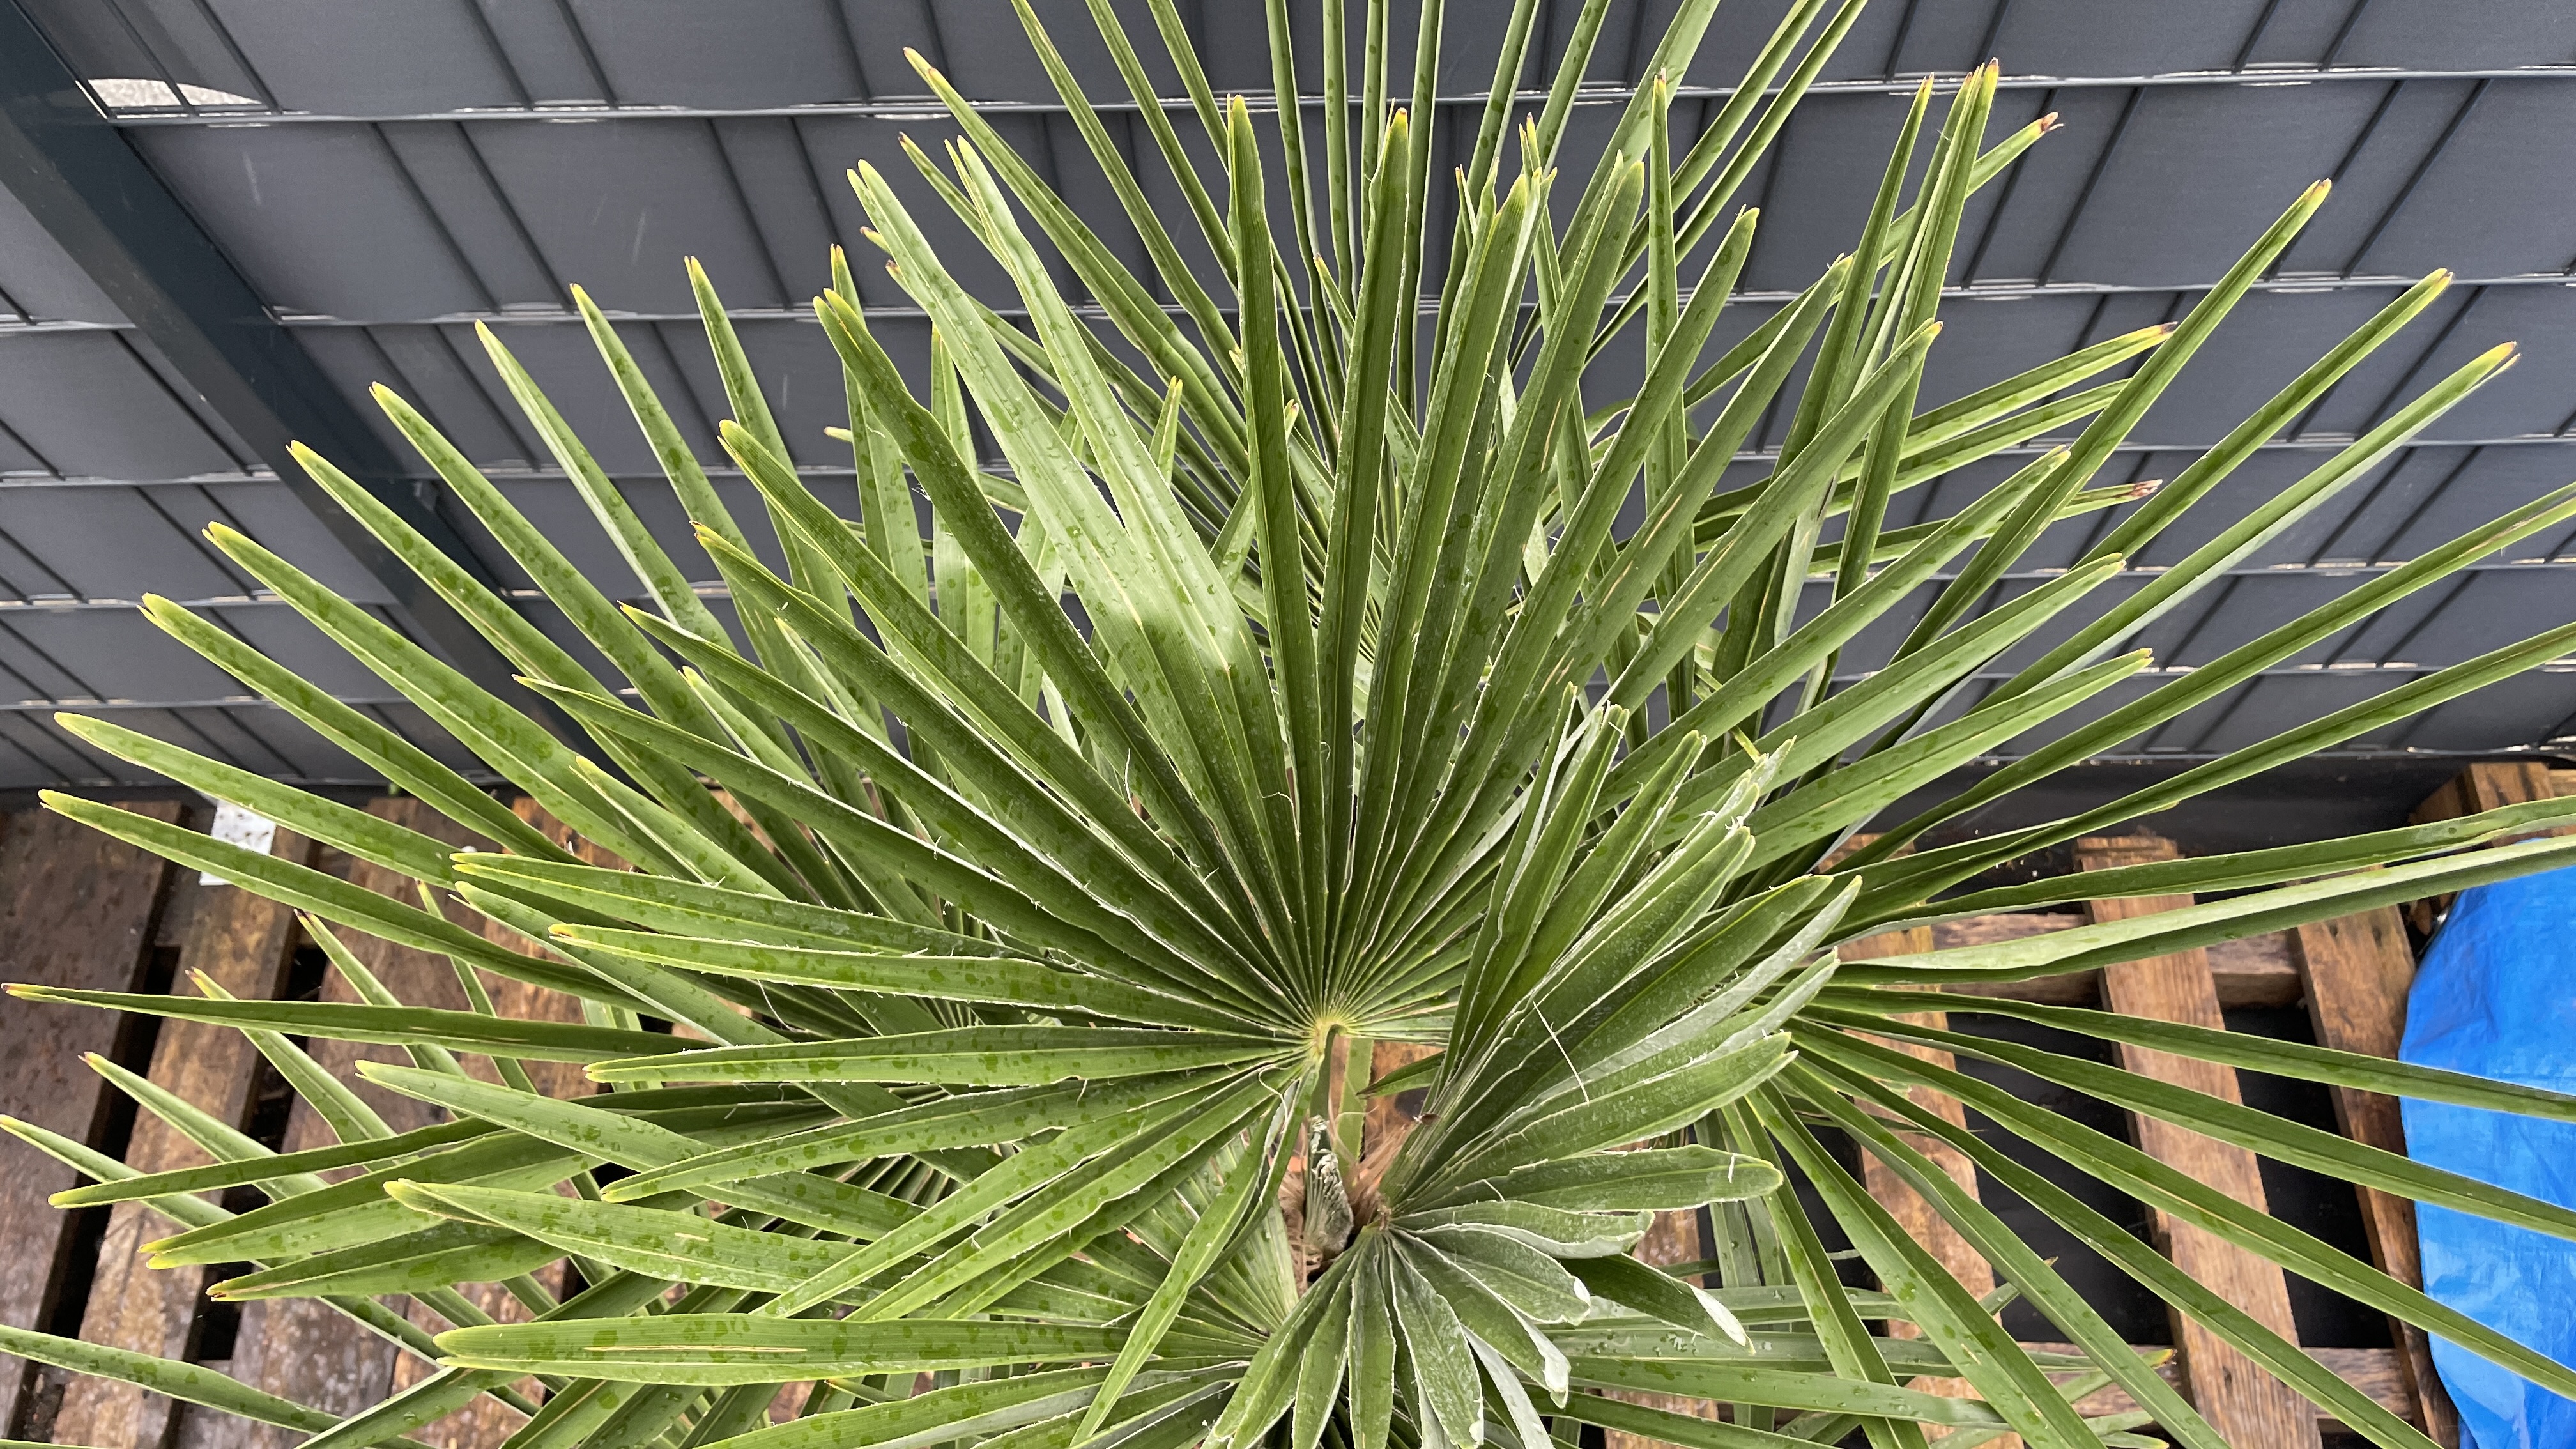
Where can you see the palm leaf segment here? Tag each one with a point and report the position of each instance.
(1029, 942)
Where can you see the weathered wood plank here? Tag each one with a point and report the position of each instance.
(2242, 1402)
(2255, 971)
(2359, 969)
(1891, 1192)
(2487, 785)
(245, 944)
(2374, 1371)
(2490, 785)
(301, 1349)
(486, 1422)
(76, 909)
(536, 1003)
(1924, 1225)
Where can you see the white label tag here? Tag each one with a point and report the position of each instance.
(236, 826)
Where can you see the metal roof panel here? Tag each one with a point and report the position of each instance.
(86, 404)
(320, 219)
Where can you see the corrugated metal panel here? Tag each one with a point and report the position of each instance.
(387, 172)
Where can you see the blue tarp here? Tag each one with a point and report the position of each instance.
(2496, 995)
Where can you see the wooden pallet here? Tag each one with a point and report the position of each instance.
(83, 910)
(2352, 975)
(78, 909)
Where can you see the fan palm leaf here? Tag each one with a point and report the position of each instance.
(1284, 679)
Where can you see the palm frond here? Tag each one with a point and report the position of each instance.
(1030, 851)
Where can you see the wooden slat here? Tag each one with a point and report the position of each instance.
(76, 909)
(1902, 1202)
(306, 1351)
(2487, 785)
(245, 943)
(1926, 1227)
(536, 1003)
(2254, 971)
(2374, 1371)
(487, 1422)
(2359, 969)
(2242, 1402)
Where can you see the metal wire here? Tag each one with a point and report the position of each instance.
(918, 108)
(517, 315)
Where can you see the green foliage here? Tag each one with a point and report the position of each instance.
(1044, 939)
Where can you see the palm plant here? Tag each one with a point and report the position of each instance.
(1076, 826)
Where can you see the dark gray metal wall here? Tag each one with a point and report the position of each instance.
(388, 172)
